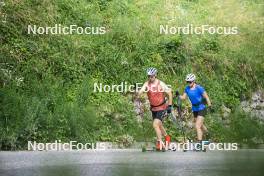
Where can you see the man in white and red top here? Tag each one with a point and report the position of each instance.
(157, 92)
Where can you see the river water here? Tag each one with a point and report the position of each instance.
(132, 162)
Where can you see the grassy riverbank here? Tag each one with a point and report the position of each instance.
(47, 80)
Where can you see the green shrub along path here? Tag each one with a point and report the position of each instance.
(47, 81)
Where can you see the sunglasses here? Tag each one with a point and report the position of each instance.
(189, 82)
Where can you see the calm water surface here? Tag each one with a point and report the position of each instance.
(132, 162)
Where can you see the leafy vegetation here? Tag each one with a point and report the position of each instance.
(47, 80)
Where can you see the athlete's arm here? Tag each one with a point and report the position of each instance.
(207, 98)
(143, 89)
(184, 96)
(167, 90)
(169, 93)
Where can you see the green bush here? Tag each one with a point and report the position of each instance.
(47, 80)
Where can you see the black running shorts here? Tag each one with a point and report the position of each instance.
(199, 113)
(159, 114)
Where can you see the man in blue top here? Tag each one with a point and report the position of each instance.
(196, 94)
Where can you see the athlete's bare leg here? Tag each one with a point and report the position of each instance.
(198, 126)
(204, 128)
(156, 126)
(163, 131)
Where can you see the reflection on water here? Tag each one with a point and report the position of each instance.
(242, 162)
(66, 170)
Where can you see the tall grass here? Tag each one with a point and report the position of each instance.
(55, 100)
